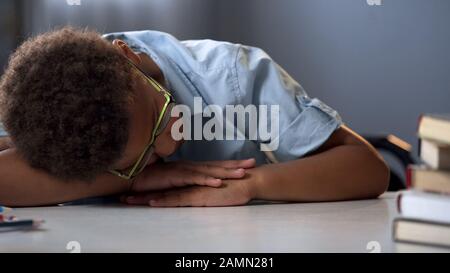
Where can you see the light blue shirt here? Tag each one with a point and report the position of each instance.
(223, 73)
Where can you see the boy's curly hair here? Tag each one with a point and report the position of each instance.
(63, 99)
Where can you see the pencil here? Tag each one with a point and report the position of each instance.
(21, 224)
(5, 209)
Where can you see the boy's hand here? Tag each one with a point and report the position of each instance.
(231, 193)
(161, 176)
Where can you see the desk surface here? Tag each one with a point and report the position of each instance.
(309, 227)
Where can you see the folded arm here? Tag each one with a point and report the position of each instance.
(345, 167)
(22, 185)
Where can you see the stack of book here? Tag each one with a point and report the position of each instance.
(425, 206)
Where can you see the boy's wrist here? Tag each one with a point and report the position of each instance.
(255, 182)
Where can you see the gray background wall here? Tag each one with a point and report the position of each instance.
(379, 66)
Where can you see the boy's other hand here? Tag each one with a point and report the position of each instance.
(233, 192)
(162, 176)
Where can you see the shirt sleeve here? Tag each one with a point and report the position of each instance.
(304, 123)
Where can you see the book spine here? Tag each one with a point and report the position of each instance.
(419, 123)
(419, 148)
(399, 202)
(409, 174)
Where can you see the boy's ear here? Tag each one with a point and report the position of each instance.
(126, 51)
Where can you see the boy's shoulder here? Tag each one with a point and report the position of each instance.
(212, 53)
(208, 53)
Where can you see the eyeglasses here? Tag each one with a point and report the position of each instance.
(161, 124)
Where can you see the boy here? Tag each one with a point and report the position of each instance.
(90, 116)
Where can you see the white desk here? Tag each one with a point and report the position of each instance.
(309, 227)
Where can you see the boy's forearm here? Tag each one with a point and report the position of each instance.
(340, 173)
(21, 185)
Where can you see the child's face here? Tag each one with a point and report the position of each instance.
(144, 110)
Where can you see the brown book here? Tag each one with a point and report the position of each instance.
(435, 127)
(423, 178)
(421, 232)
(436, 155)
